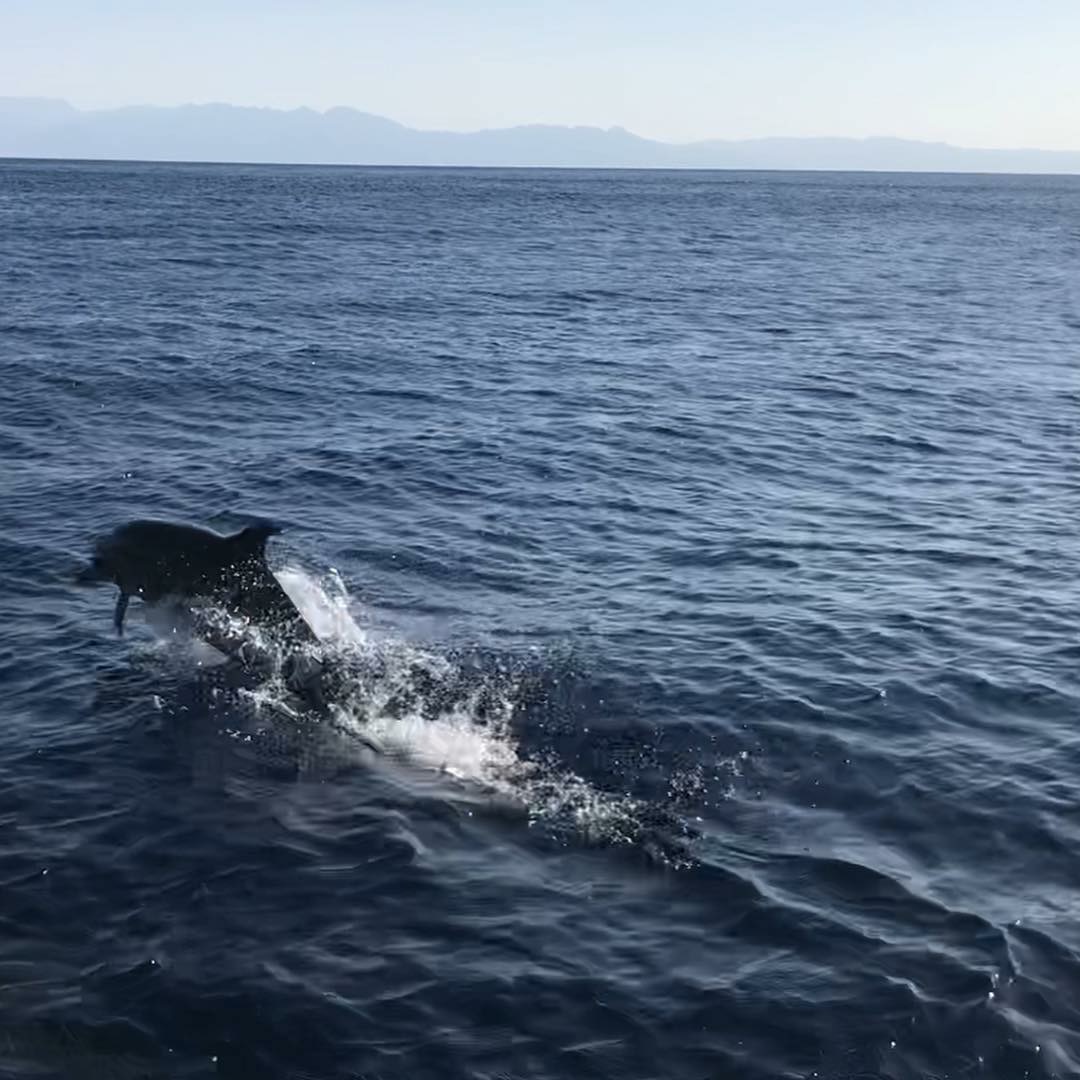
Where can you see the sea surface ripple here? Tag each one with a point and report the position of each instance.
(707, 543)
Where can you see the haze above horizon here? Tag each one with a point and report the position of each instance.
(979, 73)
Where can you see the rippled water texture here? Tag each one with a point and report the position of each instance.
(704, 548)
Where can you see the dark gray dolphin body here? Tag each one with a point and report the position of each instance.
(164, 561)
(200, 573)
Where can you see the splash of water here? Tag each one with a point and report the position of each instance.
(418, 705)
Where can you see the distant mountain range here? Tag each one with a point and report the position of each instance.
(48, 128)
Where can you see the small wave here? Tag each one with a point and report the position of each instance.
(825, 390)
(915, 443)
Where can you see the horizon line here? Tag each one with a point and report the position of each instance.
(612, 128)
(9, 159)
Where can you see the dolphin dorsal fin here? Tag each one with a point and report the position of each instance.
(252, 538)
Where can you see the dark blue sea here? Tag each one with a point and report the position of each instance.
(706, 545)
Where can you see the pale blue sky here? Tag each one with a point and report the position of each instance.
(998, 73)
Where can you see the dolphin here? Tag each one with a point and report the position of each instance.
(200, 571)
(163, 561)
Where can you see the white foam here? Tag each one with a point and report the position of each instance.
(451, 742)
(325, 606)
(173, 631)
(469, 739)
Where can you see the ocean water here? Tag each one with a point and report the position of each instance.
(704, 547)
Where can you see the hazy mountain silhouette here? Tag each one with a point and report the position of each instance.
(47, 128)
